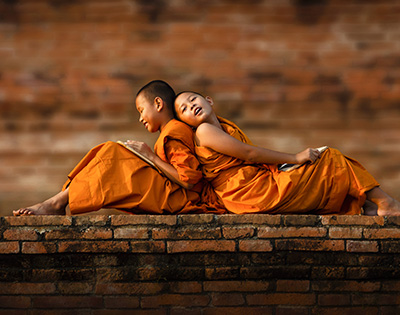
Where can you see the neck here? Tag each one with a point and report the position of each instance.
(213, 120)
(165, 121)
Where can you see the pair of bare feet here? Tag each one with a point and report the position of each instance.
(378, 203)
(53, 206)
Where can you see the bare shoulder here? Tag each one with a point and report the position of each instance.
(205, 130)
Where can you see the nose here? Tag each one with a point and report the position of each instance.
(140, 118)
(192, 106)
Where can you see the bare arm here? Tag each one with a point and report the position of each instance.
(214, 138)
(168, 170)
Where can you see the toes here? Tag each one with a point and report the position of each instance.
(22, 212)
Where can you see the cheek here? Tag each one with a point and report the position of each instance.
(181, 117)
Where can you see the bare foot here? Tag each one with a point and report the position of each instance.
(391, 207)
(370, 208)
(386, 204)
(54, 206)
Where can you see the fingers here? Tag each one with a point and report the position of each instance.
(314, 155)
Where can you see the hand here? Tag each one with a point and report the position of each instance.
(141, 147)
(308, 155)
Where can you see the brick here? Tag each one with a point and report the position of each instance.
(187, 233)
(91, 220)
(132, 233)
(12, 302)
(200, 246)
(310, 220)
(362, 246)
(353, 220)
(42, 275)
(39, 220)
(143, 220)
(345, 232)
(137, 288)
(274, 272)
(97, 233)
(391, 285)
(310, 245)
(328, 272)
(20, 234)
(237, 310)
(345, 286)
(113, 302)
(236, 286)
(218, 273)
(60, 234)
(123, 312)
(291, 310)
(227, 299)
(281, 299)
(386, 233)
(92, 247)
(72, 288)
(67, 302)
(196, 219)
(346, 310)
(23, 288)
(185, 287)
(237, 232)
(9, 247)
(285, 232)
(375, 299)
(255, 246)
(174, 299)
(147, 246)
(334, 299)
(292, 285)
(38, 247)
(393, 220)
(390, 246)
(255, 219)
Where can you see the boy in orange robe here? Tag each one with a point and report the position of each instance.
(111, 176)
(248, 180)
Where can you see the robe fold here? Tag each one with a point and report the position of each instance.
(111, 176)
(334, 184)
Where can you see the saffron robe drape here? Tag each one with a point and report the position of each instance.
(334, 184)
(111, 176)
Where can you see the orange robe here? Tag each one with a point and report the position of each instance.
(111, 176)
(334, 184)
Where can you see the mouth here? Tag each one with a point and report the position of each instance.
(197, 111)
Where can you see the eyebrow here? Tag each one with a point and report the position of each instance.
(187, 99)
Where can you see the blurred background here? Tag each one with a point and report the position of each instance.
(291, 73)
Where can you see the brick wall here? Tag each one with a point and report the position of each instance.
(293, 74)
(200, 264)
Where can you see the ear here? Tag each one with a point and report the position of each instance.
(209, 100)
(159, 103)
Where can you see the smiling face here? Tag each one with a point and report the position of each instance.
(193, 108)
(148, 113)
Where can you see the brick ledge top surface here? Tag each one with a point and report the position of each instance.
(203, 219)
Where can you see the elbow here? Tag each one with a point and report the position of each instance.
(251, 155)
(187, 186)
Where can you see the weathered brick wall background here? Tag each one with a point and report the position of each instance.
(293, 74)
(200, 264)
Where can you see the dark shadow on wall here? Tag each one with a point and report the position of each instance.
(310, 11)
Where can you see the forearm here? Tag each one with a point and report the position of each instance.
(170, 172)
(266, 156)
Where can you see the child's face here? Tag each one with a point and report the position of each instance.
(192, 108)
(148, 113)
